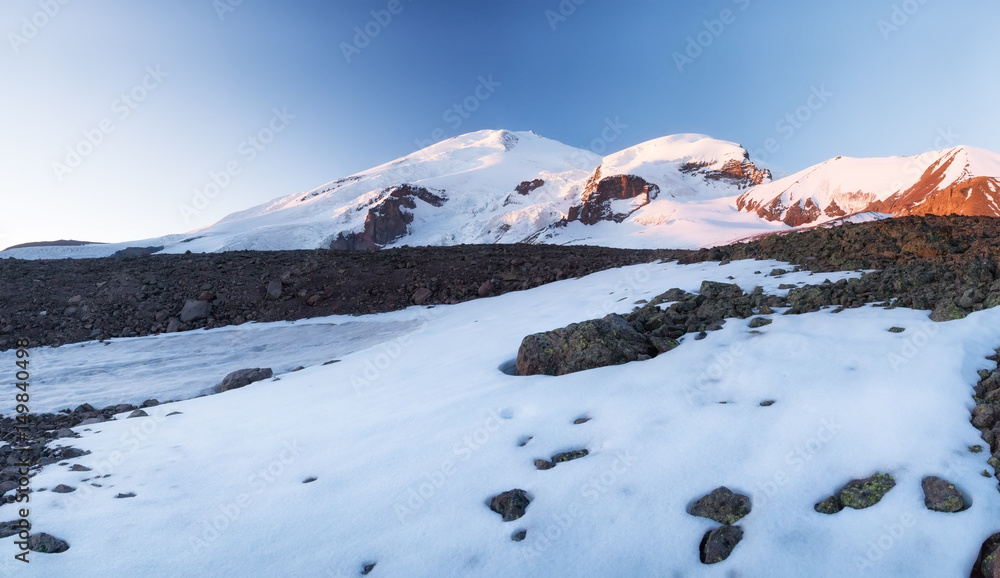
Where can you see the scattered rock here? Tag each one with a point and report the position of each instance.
(128, 495)
(174, 413)
(897, 329)
(722, 505)
(46, 544)
(173, 325)
(367, 569)
(422, 295)
(486, 289)
(941, 495)
(195, 310)
(63, 489)
(581, 420)
(767, 403)
(511, 504)
(719, 543)
(519, 536)
(596, 343)
(274, 290)
(988, 563)
(858, 494)
(830, 505)
(79, 468)
(244, 377)
(137, 413)
(569, 456)
(757, 322)
(544, 465)
(309, 480)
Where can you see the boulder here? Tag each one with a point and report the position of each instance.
(596, 343)
(195, 310)
(719, 543)
(511, 504)
(941, 495)
(46, 544)
(722, 505)
(244, 377)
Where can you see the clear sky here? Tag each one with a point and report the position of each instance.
(115, 113)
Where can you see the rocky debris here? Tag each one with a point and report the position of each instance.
(581, 420)
(986, 413)
(896, 329)
(767, 403)
(63, 489)
(128, 495)
(422, 295)
(722, 505)
(569, 456)
(600, 193)
(519, 536)
(309, 480)
(79, 468)
(596, 343)
(527, 186)
(137, 413)
(145, 295)
(46, 544)
(858, 494)
(758, 322)
(367, 568)
(719, 543)
(645, 333)
(195, 310)
(741, 173)
(8, 529)
(941, 495)
(510, 504)
(487, 288)
(244, 377)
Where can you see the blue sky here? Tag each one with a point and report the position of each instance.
(260, 98)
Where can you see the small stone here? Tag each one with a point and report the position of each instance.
(767, 403)
(760, 322)
(46, 544)
(569, 456)
(195, 310)
(308, 480)
(274, 290)
(777, 272)
(941, 495)
(137, 413)
(174, 413)
(79, 468)
(174, 325)
(487, 289)
(581, 420)
(63, 489)
(150, 403)
(519, 536)
(865, 493)
(206, 296)
(830, 505)
(719, 543)
(976, 449)
(422, 295)
(525, 441)
(244, 377)
(896, 329)
(367, 569)
(544, 465)
(511, 504)
(128, 495)
(722, 505)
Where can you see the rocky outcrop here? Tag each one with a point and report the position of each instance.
(742, 174)
(511, 505)
(606, 198)
(388, 219)
(527, 186)
(596, 343)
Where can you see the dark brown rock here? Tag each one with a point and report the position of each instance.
(718, 544)
(511, 505)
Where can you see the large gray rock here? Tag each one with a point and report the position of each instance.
(244, 377)
(194, 310)
(595, 343)
(722, 505)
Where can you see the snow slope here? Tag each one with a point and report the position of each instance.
(409, 438)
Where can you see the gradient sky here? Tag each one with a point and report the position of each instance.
(898, 78)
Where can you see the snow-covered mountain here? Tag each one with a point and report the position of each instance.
(961, 180)
(498, 186)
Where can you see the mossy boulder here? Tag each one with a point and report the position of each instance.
(722, 505)
(758, 322)
(861, 494)
(719, 543)
(941, 495)
(948, 310)
(580, 346)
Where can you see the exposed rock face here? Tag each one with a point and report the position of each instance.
(932, 195)
(528, 186)
(742, 174)
(596, 343)
(600, 195)
(388, 219)
(244, 377)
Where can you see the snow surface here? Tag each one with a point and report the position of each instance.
(409, 438)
